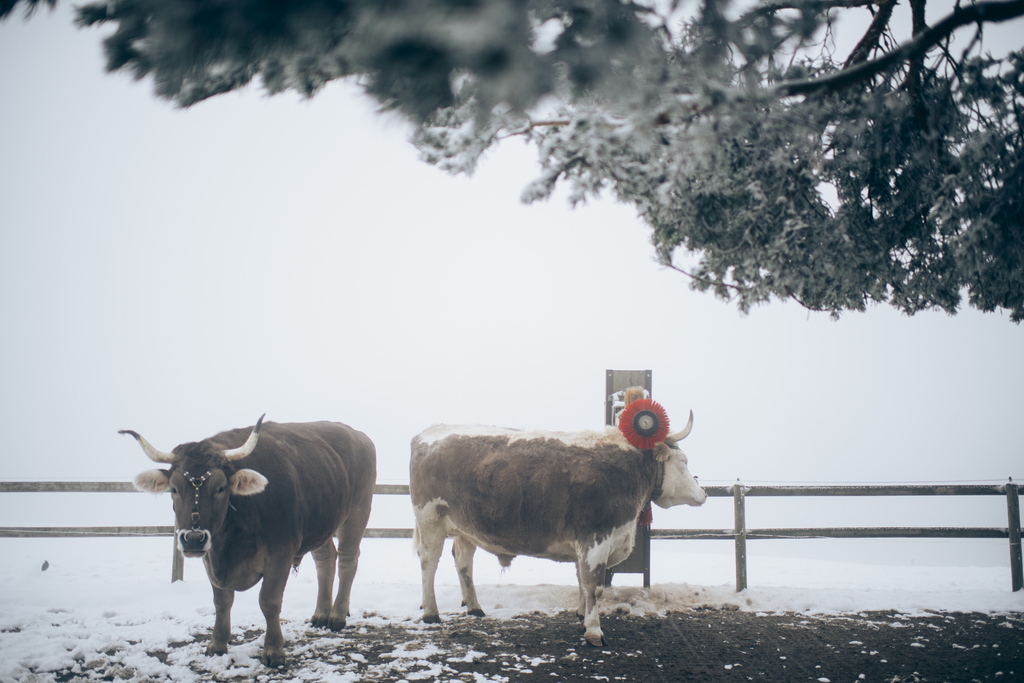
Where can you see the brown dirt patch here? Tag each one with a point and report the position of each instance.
(699, 645)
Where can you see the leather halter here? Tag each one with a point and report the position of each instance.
(196, 483)
(659, 479)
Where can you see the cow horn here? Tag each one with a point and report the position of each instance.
(147, 448)
(250, 443)
(679, 436)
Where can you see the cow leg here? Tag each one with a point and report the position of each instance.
(429, 545)
(463, 550)
(223, 598)
(349, 537)
(275, 576)
(590, 591)
(324, 557)
(581, 606)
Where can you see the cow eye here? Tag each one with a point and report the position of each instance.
(174, 491)
(221, 490)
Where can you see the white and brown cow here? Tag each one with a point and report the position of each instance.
(564, 496)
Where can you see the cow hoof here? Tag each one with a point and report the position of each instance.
(594, 640)
(476, 613)
(319, 622)
(337, 624)
(272, 660)
(214, 650)
(431, 618)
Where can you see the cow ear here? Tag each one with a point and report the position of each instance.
(662, 452)
(154, 481)
(247, 483)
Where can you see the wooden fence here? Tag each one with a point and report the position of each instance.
(178, 561)
(739, 534)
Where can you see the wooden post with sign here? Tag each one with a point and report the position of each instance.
(639, 561)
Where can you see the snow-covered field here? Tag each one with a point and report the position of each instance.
(111, 600)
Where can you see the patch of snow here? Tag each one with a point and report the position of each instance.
(110, 600)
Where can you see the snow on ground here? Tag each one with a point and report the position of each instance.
(107, 598)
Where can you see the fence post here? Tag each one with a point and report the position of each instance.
(1013, 517)
(177, 563)
(739, 511)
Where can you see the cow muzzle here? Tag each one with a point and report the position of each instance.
(193, 542)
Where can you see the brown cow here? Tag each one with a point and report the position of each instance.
(252, 510)
(568, 497)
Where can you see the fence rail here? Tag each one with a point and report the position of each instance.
(177, 561)
(739, 534)
(832, 532)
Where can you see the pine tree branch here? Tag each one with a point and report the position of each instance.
(7, 6)
(913, 82)
(530, 125)
(813, 6)
(795, 298)
(870, 40)
(710, 283)
(552, 122)
(993, 12)
(737, 288)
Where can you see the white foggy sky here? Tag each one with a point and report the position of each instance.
(181, 272)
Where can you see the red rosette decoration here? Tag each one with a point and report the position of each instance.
(644, 423)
